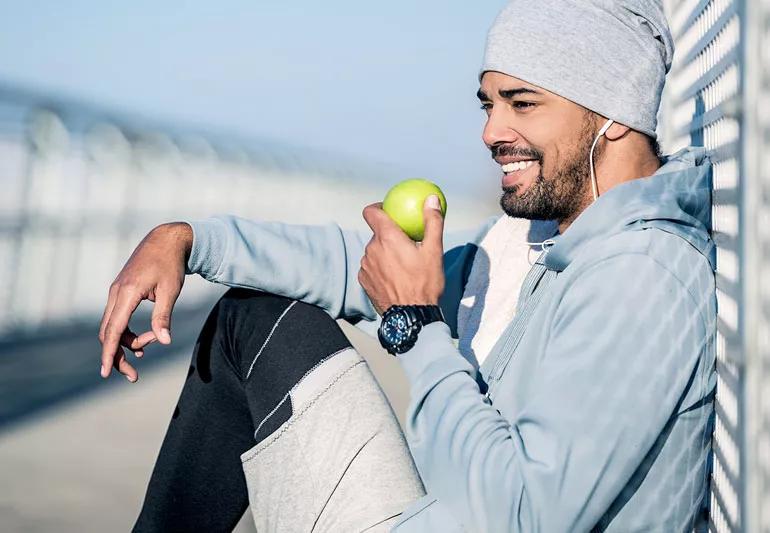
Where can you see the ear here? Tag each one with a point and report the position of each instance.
(616, 131)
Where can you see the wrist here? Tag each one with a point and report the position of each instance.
(401, 325)
(178, 236)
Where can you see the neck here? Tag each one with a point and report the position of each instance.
(617, 164)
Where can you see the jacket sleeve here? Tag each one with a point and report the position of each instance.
(610, 378)
(316, 264)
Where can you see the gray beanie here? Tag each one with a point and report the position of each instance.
(610, 56)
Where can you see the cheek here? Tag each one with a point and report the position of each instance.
(551, 158)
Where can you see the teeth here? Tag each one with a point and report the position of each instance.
(519, 165)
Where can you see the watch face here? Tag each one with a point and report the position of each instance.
(395, 330)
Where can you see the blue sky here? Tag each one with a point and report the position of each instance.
(387, 81)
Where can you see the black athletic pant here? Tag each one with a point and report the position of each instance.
(253, 348)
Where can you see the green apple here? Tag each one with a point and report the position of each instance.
(404, 203)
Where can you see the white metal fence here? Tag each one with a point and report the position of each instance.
(80, 188)
(756, 253)
(717, 97)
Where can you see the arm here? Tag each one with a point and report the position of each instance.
(317, 264)
(312, 263)
(603, 392)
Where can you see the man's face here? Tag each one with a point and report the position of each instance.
(542, 142)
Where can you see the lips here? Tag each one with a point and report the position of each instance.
(515, 172)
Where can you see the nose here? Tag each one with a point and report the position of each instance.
(497, 130)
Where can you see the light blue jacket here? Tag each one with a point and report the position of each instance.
(597, 414)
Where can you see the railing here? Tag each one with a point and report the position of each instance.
(717, 96)
(82, 186)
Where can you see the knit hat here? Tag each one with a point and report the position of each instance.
(609, 56)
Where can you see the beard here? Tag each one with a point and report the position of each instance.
(561, 196)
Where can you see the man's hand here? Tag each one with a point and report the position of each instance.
(397, 271)
(155, 272)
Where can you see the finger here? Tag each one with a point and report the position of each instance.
(136, 343)
(363, 280)
(111, 298)
(384, 227)
(434, 223)
(124, 367)
(127, 302)
(161, 314)
(371, 214)
(379, 220)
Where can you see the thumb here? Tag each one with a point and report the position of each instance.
(161, 315)
(434, 222)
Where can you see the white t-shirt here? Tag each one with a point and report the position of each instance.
(499, 268)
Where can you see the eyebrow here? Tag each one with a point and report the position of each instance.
(507, 94)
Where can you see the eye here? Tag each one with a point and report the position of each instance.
(486, 106)
(521, 105)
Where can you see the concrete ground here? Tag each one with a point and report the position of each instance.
(83, 465)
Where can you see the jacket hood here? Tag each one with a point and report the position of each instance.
(676, 199)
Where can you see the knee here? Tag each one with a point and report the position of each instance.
(248, 318)
(238, 302)
(246, 308)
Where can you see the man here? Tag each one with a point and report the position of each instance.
(593, 408)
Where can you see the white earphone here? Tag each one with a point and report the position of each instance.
(594, 186)
(602, 131)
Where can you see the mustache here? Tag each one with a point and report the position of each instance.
(509, 150)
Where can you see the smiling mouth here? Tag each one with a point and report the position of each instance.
(518, 166)
(515, 173)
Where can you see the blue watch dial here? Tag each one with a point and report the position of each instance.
(395, 329)
(401, 324)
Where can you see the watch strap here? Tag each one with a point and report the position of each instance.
(417, 316)
(427, 314)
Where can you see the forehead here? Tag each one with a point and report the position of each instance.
(492, 82)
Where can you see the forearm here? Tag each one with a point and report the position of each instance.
(461, 444)
(580, 433)
(316, 264)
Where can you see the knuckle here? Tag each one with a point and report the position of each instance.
(161, 318)
(388, 237)
(111, 331)
(131, 286)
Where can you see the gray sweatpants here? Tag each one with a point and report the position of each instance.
(339, 464)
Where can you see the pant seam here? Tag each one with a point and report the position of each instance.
(288, 394)
(339, 479)
(264, 444)
(271, 413)
(319, 363)
(369, 528)
(269, 335)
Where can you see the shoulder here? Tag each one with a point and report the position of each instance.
(665, 267)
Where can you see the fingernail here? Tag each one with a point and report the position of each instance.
(433, 202)
(165, 336)
(102, 372)
(129, 379)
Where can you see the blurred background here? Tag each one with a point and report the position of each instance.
(117, 117)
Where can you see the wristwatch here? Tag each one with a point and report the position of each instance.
(401, 324)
